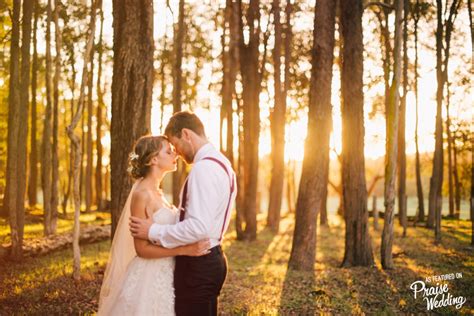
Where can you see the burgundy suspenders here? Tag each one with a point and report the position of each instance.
(182, 209)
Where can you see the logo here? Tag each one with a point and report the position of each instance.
(437, 296)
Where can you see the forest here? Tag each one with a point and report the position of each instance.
(348, 124)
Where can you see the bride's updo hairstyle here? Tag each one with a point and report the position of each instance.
(145, 148)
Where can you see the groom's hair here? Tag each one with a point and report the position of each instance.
(181, 120)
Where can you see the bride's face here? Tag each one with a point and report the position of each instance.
(167, 158)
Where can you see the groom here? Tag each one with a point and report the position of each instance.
(206, 200)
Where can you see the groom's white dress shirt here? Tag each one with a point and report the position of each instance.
(207, 198)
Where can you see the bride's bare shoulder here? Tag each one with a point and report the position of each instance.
(141, 196)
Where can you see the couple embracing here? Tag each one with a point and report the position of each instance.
(166, 260)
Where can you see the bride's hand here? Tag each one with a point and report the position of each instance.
(197, 249)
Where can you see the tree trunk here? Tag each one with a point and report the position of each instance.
(290, 194)
(239, 201)
(71, 151)
(286, 85)
(75, 142)
(450, 157)
(163, 77)
(90, 142)
(449, 24)
(55, 149)
(100, 105)
(402, 157)
(392, 121)
(33, 172)
(358, 248)
(66, 187)
(436, 183)
(316, 163)
(323, 219)
(46, 167)
(383, 18)
(278, 121)
(230, 64)
(419, 186)
(375, 213)
(22, 139)
(132, 86)
(436, 179)
(471, 204)
(178, 175)
(14, 198)
(251, 87)
(83, 150)
(457, 184)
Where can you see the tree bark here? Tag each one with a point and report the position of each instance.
(402, 157)
(71, 151)
(392, 121)
(251, 73)
(18, 100)
(55, 149)
(449, 24)
(46, 180)
(291, 194)
(383, 18)
(178, 175)
(230, 64)
(239, 201)
(450, 157)
(314, 175)
(22, 139)
(75, 142)
(471, 201)
(358, 248)
(100, 105)
(33, 166)
(88, 187)
(323, 217)
(436, 181)
(277, 121)
(375, 213)
(419, 186)
(132, 86)
(457, 184)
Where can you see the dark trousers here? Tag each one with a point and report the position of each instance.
(198, 282)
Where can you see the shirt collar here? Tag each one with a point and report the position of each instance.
(202, 152)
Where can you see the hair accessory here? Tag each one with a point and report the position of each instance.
(133, 156)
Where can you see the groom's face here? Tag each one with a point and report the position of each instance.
(183, 148)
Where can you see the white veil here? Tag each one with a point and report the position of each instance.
(122, 252)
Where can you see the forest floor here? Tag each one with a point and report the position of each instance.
(259, 281)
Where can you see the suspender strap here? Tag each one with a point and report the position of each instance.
(182, 208)
(232, 189)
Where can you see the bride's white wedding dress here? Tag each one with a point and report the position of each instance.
(147, 286)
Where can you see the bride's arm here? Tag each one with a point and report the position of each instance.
(147, 250)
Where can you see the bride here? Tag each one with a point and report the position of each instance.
(138, 279)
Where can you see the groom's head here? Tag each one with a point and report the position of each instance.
(186, 132)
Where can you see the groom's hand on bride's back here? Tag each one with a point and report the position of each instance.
(139, 227)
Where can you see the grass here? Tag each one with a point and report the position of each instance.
(35, 227)
(259, 281)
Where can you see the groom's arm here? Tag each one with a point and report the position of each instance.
(205, 193)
